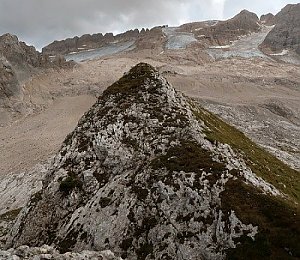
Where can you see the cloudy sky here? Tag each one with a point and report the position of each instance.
(39, 22)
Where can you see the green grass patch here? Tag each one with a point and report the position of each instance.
(261, 162)
(10, 215)
(278, 222)
(69, 183)
(278, 219)
(132, 81)
(188, 157)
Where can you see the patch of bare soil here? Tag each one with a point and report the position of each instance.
(34, 138)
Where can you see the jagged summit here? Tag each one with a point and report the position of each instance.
(224, 32)
(148, 174)
(87, 41)
(18, 63)
(268, 19)
(247, 14)
(20, 54)
(9, 38)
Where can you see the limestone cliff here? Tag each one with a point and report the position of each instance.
(268, 19)
(224, 32)
(18, 63)
(286, 33)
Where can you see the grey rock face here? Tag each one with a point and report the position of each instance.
(9, 84)
(224, 32)
(22, 56)
(268, 19)
(139, 176)
(19, 62)
(15, 190)
(286, 33)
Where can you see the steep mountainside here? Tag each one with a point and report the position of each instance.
(9, 85)
(268, 19)
(286, 33)
(19, 54)
(150, 175)
(224, 32)
(19, 62)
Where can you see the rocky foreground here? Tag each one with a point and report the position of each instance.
(47, 252)
(148, 174)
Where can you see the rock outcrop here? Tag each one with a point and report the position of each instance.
(286, 33)
(9, 84)
(147, 174)
(19, 54)
(18, 63)
(224, 32)
(17, 60)
(268, 19)
(150, 39)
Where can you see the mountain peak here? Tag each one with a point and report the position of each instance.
(137, 79)
(8, 38)
(247, 14)
(146, 174)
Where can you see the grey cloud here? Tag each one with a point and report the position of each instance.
(39, 22)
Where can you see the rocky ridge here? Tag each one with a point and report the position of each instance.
(210, 32)
(286, 33)
(87, 41)
(148, 163)
(224, 32)
(24, 57)
(268, 19)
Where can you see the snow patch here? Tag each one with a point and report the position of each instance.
(220, 47)
(282, 53)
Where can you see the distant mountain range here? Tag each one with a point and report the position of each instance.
(285, 35)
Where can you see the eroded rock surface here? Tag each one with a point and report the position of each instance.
(47, 252)
(18, 63)
(224, 32)
(268, 19)
(148, 174)
(286, 33)
(147, 39)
